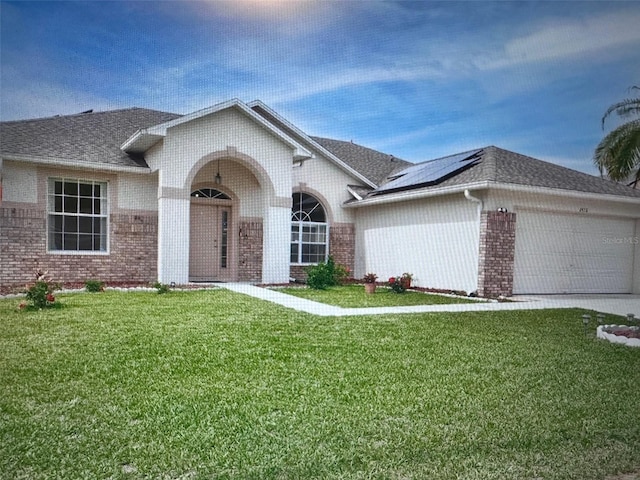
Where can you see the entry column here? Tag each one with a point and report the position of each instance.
(173, 238)
(277, 241)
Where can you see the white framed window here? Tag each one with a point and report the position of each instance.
(309, 230)
(77, 216)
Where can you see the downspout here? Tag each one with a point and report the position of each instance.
(468, 196)
(471, 198)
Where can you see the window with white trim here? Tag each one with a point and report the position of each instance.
(77, 215)
(309, 230)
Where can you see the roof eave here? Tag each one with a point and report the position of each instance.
(74, 164)
(415, 194)
(141, 141)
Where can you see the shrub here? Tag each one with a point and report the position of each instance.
(161, 288)
(40, 293)
(326, 274)
(94, 286)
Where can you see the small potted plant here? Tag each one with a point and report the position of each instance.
(401, 283)
(370, 282)
(406, 280)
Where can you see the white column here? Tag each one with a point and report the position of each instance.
(276, 244)
(173, 240)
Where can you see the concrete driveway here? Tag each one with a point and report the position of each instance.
(612, 304)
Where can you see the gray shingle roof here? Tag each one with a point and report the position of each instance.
(84, 138)
(503, 166)
(371, 164)
(374, 165)
(95, 138)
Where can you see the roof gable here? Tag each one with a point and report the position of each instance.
(145, 138)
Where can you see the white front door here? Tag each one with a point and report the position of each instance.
(210, 249)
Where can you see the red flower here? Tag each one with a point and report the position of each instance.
(392, 280)
(50, 298)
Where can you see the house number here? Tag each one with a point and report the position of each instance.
(584, 210)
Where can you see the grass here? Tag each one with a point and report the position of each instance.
(354, 296)
(214, 384)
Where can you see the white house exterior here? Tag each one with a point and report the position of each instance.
(237, 193)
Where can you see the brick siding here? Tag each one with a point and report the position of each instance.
(496, 256)
(342, 247)
(132, 258)
(250, 251)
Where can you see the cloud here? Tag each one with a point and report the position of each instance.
(575, 39)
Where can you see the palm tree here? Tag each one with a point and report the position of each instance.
(618, 153)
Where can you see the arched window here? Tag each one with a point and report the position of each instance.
(309, 230)
(210, 193)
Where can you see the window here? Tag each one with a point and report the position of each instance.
(77, 215)
(210, 193)
(309, 230)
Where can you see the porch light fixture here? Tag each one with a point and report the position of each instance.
(218, 177)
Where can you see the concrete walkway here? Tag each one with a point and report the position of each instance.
(610, 304)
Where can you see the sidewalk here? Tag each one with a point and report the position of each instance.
(611, 304)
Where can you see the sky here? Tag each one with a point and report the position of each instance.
(418, 80)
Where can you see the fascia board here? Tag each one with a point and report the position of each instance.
(313, 143)
(435, 192)
(76, 165)
(141, 141)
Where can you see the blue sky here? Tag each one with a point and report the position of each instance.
(414, 79)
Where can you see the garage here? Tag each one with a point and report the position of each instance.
(572, 253)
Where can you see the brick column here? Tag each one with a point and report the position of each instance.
(342, 244)
(496, 255)
(250, 250)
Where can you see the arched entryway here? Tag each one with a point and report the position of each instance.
(212, 250)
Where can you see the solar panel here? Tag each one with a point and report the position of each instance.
(430, 172)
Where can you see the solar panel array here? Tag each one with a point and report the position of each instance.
(431, 172)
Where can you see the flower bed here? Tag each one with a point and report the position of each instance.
(622, 334)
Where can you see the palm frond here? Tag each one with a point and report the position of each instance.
(624, 109)
(618, 153)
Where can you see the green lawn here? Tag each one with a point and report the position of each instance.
(354, 296)
(213, 384)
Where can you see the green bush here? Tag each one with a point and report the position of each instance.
(40, 295)
(161, 288)
(94, 286)
(324, 275)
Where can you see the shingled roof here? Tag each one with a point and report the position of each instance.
(497, 165)
(95, 138)
(374, 165)
(91, 138)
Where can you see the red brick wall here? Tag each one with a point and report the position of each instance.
(250, 250)
(132, 257)
(342, 244)
(342, 247)
(497, 249)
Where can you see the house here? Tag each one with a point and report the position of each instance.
(235, 192)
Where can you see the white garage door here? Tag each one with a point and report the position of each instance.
(558, 253)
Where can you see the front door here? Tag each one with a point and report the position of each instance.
(209, 254)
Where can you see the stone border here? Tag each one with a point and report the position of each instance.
(630, 342)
